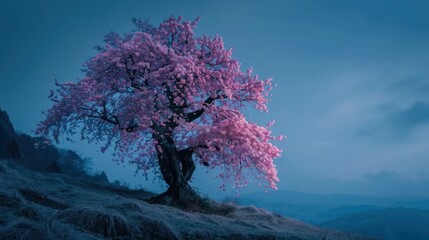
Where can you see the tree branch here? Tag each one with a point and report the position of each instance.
(194, 115)
(132, 126)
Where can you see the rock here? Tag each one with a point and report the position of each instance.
(101, 178)
(54, 167)
(8, 141)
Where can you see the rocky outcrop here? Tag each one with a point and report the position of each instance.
(36, 153)
(8, 142)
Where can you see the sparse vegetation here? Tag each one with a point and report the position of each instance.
(22, 231)
(70, 208)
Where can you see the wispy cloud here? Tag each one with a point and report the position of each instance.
(382, 184)
(412, 86)
(397, 124)
(410, 118)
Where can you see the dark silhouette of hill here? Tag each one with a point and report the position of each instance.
(36, 153)
(389, 224)
(8, 141)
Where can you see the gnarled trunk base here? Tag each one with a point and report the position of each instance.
(176, 167)
(179, 195)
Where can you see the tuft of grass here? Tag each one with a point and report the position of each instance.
(198, 236)
(208, 206)
(41, 199)
(16, 207)
(9, 201)
(127, 206)
(22, 231)
(107, 224)
(149, 228)
(294, 238)
(240, 236)
(26, 212)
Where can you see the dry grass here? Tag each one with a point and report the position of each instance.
(208, 206)
(150, 228)
(126, 206)
(107, 224)
(52, 206)
(9, 201)
(41, 199)
(22, 231)
(115, 226)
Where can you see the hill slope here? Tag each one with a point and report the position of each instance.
(53, 206)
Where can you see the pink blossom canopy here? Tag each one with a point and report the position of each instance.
(153, 77)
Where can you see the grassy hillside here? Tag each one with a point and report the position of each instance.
(36, 205)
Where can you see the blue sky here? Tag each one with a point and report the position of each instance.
(353, 80)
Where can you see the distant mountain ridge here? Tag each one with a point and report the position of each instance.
(389, 224)
(385, 218)
(295, 197)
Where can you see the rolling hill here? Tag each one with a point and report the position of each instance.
(36, 205)
(390, 223)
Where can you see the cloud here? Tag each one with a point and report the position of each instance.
(381, 184)
(413, 86)
(382, 177)
(396, 124)
(410, 118)
(390, 183)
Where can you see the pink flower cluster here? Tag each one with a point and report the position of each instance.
(168, 78)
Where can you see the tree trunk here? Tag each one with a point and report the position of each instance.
(188, 165)
(176, 168)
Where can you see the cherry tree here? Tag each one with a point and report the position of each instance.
(164, 98)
